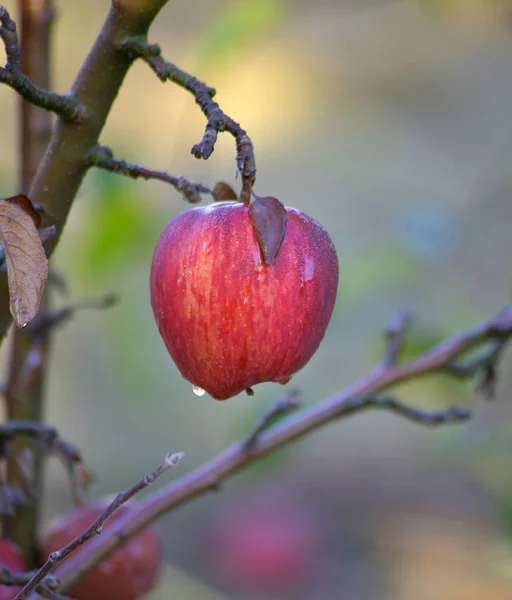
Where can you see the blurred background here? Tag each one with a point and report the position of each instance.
(389, 122)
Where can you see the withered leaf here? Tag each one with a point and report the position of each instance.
(269, 219)
(24, 202)
(27, 265)
(223, 191)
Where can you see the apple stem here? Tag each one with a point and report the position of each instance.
(217, 120)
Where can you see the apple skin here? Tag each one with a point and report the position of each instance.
(11, 557)
(228, 320)
(262, 547)
(130, 572)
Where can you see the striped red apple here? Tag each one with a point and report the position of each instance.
(234, 312)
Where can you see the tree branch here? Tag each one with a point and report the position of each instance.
(14, 494)
(281, 408)
(45, 323)
(47, 588)
(394, 335)
(96, 86)
(26, 379)
(103, 158)
(7, 577)
(361, 395)
(67, 107)
(95, 529)
(217, 119)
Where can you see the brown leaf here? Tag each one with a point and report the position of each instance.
(24, 202)
(269, 219)
(27, 265)
(222, 191)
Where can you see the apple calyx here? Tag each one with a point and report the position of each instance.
(269, 218)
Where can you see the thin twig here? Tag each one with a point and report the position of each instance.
(217, 120)
(71, 457)
(171, 460)
(45, 433)
(454, 414)
(47, 588)
(484, 364)
(394, 335)
(103, 158)
(7, 577)
(45, 323)
(67, 106)
(361, 395)
(9, 36)
(282, 407)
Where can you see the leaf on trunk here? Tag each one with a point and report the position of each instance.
(269, 218)
(27, 265)
(24, 202)
(223, 191)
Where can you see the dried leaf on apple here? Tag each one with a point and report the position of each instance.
(269, 219)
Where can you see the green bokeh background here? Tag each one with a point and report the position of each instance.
(389, 122)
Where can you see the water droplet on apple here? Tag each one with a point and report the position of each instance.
(198, 391)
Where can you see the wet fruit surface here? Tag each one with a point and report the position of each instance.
(230, 321)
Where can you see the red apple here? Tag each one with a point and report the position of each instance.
(11, 557)
(228, 319)
(127, 574)
(264, 547)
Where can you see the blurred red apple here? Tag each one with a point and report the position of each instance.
(228, 319)
(130, 572)
(261, 547)
(11, 557)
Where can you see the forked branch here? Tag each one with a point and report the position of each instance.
(67, 107)
(95, 529)
(364, 394)
(217, 120)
